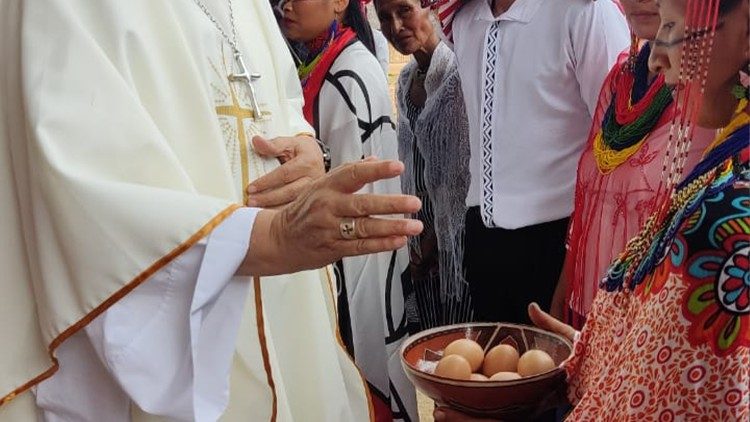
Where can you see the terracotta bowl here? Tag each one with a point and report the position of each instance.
(506, 400)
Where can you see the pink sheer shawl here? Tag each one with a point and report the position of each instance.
(609, 209)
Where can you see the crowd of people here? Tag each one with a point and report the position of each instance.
(214, 212)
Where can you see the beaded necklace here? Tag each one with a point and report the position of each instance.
(718, 168)
(632, 114)
(314, 51)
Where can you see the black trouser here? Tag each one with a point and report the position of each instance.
(508, 269)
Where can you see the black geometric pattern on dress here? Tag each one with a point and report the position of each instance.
(394, 333)
(345, 321)
(400, 414)
(377, 393)
(368, 126)
(488, 100)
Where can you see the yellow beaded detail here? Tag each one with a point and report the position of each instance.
(608, 159)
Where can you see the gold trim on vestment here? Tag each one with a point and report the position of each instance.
(238, 112)
(340, 341)
(259, 320)
(137, 281)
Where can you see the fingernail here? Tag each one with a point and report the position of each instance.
(251, 202)
(251, 189)
(439, 415)
(414, 226)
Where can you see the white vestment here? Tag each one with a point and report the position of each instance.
(354, 119)
(124, 151)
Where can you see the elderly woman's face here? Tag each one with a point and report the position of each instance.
(405, 24)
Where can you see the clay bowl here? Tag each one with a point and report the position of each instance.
(506, 400)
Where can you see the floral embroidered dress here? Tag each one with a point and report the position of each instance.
(673, 341)
(613, 201)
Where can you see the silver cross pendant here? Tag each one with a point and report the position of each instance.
(248, 78)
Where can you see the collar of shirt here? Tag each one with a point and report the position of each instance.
(520, 11)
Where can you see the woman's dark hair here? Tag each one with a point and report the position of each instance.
(726, 6)
(354, 18)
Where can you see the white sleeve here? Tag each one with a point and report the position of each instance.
(599, 34)
(167, 346)
(381, 50)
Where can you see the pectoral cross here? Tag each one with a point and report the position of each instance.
(248, 78)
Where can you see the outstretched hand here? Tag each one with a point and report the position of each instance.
(308, 233)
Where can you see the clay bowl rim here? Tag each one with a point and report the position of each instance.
(469, 383)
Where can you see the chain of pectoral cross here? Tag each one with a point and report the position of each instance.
(242, 75)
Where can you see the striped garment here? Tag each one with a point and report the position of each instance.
(444, 10)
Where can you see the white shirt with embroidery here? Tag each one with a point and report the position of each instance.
(531, 78)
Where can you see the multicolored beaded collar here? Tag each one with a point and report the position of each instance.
(634, 111)
(717, 170)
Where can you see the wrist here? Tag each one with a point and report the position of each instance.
(325, 151)
(262, 257)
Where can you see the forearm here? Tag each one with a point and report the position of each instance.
(558, 299)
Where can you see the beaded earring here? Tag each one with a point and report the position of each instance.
(742, 89)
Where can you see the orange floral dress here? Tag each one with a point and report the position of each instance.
(674, 343)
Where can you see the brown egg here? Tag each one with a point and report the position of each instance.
(478, 377)
(535, 362)
(505, 376)
(469, 349)
(501, 358)
(453, 366)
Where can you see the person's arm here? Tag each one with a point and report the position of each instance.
(195, 302)
(306, 233)
(599, 34)
(381, 50)
(557, 307)
(167, 346)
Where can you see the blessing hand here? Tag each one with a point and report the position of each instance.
(328, 221)
(301, 164)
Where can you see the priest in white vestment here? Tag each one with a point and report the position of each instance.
(125, 132)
